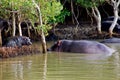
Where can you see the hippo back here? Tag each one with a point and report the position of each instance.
(17, 41)
(66, 45)
(84, 46)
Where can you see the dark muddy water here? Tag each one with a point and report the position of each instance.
(62, 66)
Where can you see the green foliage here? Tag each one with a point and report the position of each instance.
(60, 17)
(51, 11)
(25, 7)
(43, 27)
(3, 8)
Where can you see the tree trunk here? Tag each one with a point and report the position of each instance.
(13, 24)
(20, 30)
(43, 42)
(114, 23)
(72, 10)
(28, 31)
(19, 23)
(74, 18)
(97, 17)
(0, 38)
(115, 4)
(42, 32)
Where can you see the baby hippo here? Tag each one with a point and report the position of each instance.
(81, 46)
(18, 41)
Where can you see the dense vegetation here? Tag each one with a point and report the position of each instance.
(36, 17)
(18, 11)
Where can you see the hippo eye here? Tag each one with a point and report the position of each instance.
(25, 39)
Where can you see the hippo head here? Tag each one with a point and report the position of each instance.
(26, 41)
(55, 46)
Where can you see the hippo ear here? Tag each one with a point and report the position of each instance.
(59, 43)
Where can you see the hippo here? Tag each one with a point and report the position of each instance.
(80, 46)
(105, 25)
(111, 18)
(18, 41)
(4, 24)
(111, 40)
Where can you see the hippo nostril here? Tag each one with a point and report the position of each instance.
(30, 43)
(49, 49)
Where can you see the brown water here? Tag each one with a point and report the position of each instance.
(62, 66)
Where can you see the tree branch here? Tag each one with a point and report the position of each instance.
(118, 3)
(94, 13)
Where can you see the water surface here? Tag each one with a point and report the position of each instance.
(62, 66)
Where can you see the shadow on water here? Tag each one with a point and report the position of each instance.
(62, 66)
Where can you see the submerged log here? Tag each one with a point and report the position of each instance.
(6, 52)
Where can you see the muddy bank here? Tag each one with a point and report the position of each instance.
(7, 52)
(84, 31)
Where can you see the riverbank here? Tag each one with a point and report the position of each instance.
(7, 52)
(84, 31)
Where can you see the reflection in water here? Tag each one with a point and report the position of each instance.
(18, 69)
(117, 63)
(1, 72)
(116, 58)
(45, 67)
(62, 66)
